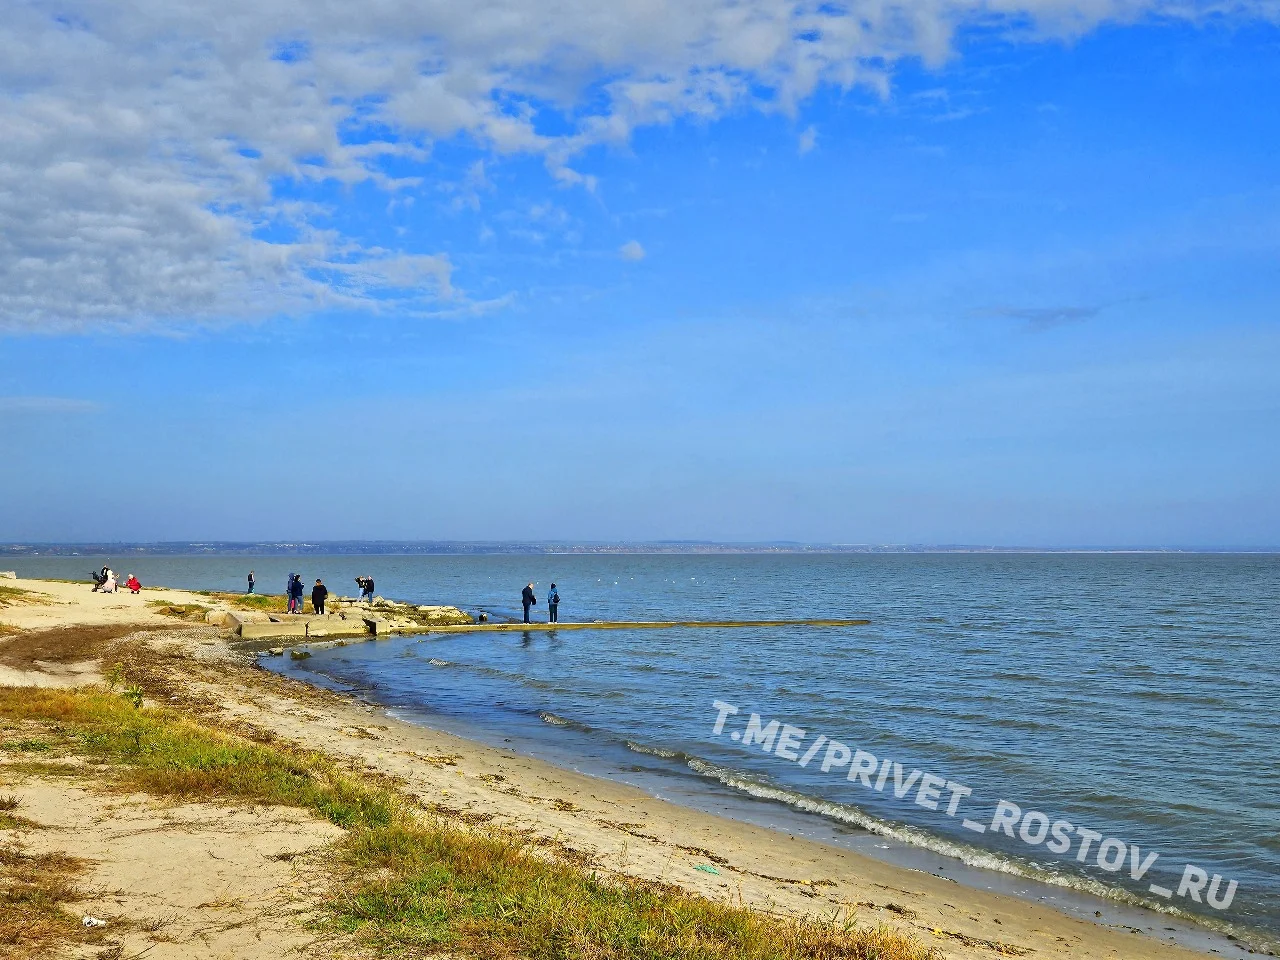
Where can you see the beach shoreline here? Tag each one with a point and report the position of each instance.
(616, 827)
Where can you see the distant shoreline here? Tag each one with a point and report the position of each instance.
(567, 548)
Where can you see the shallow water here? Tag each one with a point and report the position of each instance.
(1134, 695)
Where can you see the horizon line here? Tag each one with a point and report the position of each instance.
(18, 548)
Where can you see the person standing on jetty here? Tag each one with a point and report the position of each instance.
(366, 588)
(553, 605)
(319, 593)
(528, 600)
(294, 592)
(251, 582)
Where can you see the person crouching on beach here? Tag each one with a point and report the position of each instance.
(318, 595)
(528, 600)
(553, 605)
(133, 584)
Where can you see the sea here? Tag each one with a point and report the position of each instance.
(999, 707)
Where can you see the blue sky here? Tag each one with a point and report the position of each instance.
(1023, 291)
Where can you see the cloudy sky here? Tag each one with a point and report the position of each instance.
(924, 271)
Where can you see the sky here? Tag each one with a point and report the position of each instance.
(921, 272)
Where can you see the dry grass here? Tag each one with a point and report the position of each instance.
(191, 612)
(61, 645)
(33, 892)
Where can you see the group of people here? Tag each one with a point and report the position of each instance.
(105, 581)
(527, 600)
(295, 590)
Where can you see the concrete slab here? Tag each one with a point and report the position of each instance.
(333, 627)
(257, 631)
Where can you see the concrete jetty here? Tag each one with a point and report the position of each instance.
(637, 625)
(300, 627)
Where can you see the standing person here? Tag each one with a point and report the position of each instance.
(298, 590)
(553, 605)
(292, 593)
(318, 594)
(251, 582)
(528, 599)
(366, 588)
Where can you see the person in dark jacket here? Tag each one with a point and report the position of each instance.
(295, 592)
(318, 595)
(251, 582)
(553, 605)
(528, 600)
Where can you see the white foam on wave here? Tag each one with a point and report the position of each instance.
(966, 854)
(654, 751)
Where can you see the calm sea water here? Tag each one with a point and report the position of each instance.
(1134, 695)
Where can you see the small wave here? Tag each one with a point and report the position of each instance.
(657, 751)
(439, 663)
(966, 854)
(546, 716)
(1177, 697)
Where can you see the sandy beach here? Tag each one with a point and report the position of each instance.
(194, 880)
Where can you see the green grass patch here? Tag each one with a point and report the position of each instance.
(12, 596)
(266, 602)
(409, 886)
(428, 887)
(13, 821)
(161, 753)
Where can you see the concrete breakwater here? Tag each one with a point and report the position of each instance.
(356, 620)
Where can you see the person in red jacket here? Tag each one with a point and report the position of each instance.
(133, 584)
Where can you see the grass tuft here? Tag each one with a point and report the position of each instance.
(33, 890)
(266, 602)
(182, 611)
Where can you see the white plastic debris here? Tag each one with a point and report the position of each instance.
(93, 922)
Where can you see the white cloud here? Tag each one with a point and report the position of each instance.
(808, 140)
(631, 250)
(143, 140)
